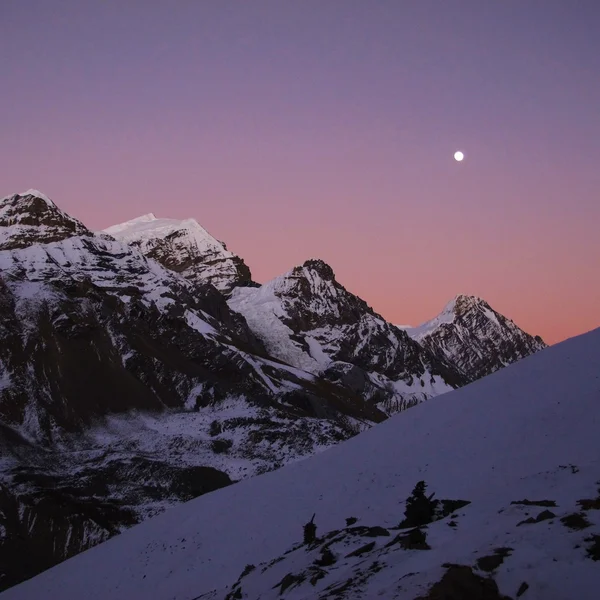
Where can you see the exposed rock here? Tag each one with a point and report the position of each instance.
(186, 248)
(460, 583)
(474, 338)
(31, 217)
(307, 319)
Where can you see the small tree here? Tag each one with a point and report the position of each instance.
(310, 531)
(420, 509)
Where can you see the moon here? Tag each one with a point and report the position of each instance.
(458, 156)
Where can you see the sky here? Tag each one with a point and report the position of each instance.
(309, 129)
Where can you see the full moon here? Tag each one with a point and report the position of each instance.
(458, 155)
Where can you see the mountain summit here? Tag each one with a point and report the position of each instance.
(475, 338)
(309, 320)
(31, 217)
(186, 248)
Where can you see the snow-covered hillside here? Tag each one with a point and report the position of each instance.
(185, 247)
(309, 320)
(520, 446)
(474, 338)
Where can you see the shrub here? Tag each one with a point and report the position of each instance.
(221, 446)
(215, 428)
(420, 509)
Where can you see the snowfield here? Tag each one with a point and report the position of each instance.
(529, 431)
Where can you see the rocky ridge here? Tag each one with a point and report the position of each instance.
(186, 248)
(475, 338)
(309, 320)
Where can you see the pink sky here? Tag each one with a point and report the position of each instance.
(300, 130)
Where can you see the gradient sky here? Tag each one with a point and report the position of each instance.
(294, 129)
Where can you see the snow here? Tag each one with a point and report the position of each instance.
(446, 316)
(263, 312)
(509, 436)
(267, 308)
(148, 227)
(30, 192)
(200, 325)
(109, 264)
(38, 194)
(181, 242)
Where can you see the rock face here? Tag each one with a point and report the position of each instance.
(186, 248)
(125, 387)
(309, 320)
(32, 217)
(475, 338)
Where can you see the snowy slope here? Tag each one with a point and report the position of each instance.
(307, 319)
(185, 247)
(529, 431)
(475, 338)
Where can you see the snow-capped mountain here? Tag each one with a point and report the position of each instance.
(125, 387)
(511, 459)
(475, 338)
(128, 383)
(33, 218)
(309, 320)
(184, 247)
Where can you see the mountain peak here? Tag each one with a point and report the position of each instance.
(31, 217)
(464, 302)
(465, 332)
(320, 267)
(185, 247)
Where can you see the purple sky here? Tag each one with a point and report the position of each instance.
(299, 129)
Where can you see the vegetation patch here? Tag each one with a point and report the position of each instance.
(420, 508)
(576, 521)
(589, 504)
(593, 550)
(221, 446)
(326, 559)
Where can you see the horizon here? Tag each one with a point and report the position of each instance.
(41, 194)
(291, 131)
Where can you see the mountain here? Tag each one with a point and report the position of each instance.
(128, 383)
(512, 459)
(33, 218)
(186, 248)
(474, 338)
(125, 387)
(309, 320)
